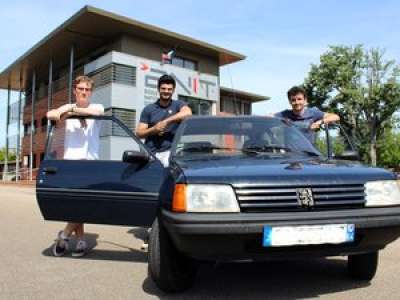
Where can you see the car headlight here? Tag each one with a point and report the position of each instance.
(211, 198)
(382, 193)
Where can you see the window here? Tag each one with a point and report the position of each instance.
(59, 83)
(246, 108)
(127, 116)
(34, 164)
(177, 61)
(43, 124)
(27, 129)
(114, 73)
(107, 140)
(190, 64)
(235, 106)
(198, 106)
(339, 142)
(184, 63)
(14, 109)
(25, 161)
(200, 135)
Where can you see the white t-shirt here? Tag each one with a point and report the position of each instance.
(82, 142)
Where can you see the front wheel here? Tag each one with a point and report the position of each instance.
(170, 270)
(363, 266)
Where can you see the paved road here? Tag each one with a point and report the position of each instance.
(117, 268)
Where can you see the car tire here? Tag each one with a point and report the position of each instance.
(363, 266)
(169, 269)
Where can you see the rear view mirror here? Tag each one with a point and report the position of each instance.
(131, 156)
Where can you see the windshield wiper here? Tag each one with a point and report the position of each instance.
(268, 148)
(280, 150)
(310, 153)
(204, 148)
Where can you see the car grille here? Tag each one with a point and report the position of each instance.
(258, 198)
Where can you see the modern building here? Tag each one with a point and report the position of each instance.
(125, 58)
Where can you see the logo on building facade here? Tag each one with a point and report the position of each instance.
(189, 84)
(305, 197)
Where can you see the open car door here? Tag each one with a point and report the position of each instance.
(119, 183)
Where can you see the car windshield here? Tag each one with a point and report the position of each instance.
(228, 136)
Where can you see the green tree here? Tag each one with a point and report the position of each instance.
(338, 145)
(361, 87)
(389, 148)
(11, 155)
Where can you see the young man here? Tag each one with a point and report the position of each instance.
(159, 121)
(81, 141)
(307, 119)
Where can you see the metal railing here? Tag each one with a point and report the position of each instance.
(23, 174)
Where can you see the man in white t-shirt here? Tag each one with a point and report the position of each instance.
(81, 142)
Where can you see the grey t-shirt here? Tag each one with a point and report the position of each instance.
(154, 113)
(304, 120)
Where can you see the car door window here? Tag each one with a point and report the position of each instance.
(90, 139)
(338, 140)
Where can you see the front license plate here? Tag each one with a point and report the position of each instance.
(308, 235)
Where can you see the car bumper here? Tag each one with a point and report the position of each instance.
(239, 236)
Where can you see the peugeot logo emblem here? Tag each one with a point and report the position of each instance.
(305, 197)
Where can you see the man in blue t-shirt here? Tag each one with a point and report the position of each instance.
(306, 119)
(159, 121)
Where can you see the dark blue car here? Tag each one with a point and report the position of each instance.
(236, 188)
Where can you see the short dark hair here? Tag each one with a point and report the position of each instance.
(166, 79)
(296, 90)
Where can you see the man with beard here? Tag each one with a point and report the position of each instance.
(160, 120)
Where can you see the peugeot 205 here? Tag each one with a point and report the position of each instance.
(237, 188)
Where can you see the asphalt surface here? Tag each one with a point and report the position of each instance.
(116, 268)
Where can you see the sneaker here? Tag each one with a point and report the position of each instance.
(80, 249)
(60, 247)
(145, 245)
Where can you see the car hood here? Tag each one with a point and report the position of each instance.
(255, 170)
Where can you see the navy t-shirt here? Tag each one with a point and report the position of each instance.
(154, 113)
(304, 120)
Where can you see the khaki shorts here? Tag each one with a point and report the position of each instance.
(163, 157)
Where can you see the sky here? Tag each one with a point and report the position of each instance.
(281, 39)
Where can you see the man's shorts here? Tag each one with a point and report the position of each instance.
(163, 157)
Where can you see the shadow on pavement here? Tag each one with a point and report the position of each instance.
(140, 233)
(273, 280)
(132, 255)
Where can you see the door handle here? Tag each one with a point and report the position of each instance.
(50, 170)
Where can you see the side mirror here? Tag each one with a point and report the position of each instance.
(131, 156)
(348, 155)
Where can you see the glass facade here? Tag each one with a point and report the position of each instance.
(235, 106)
(184, 63)
(198, 106)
